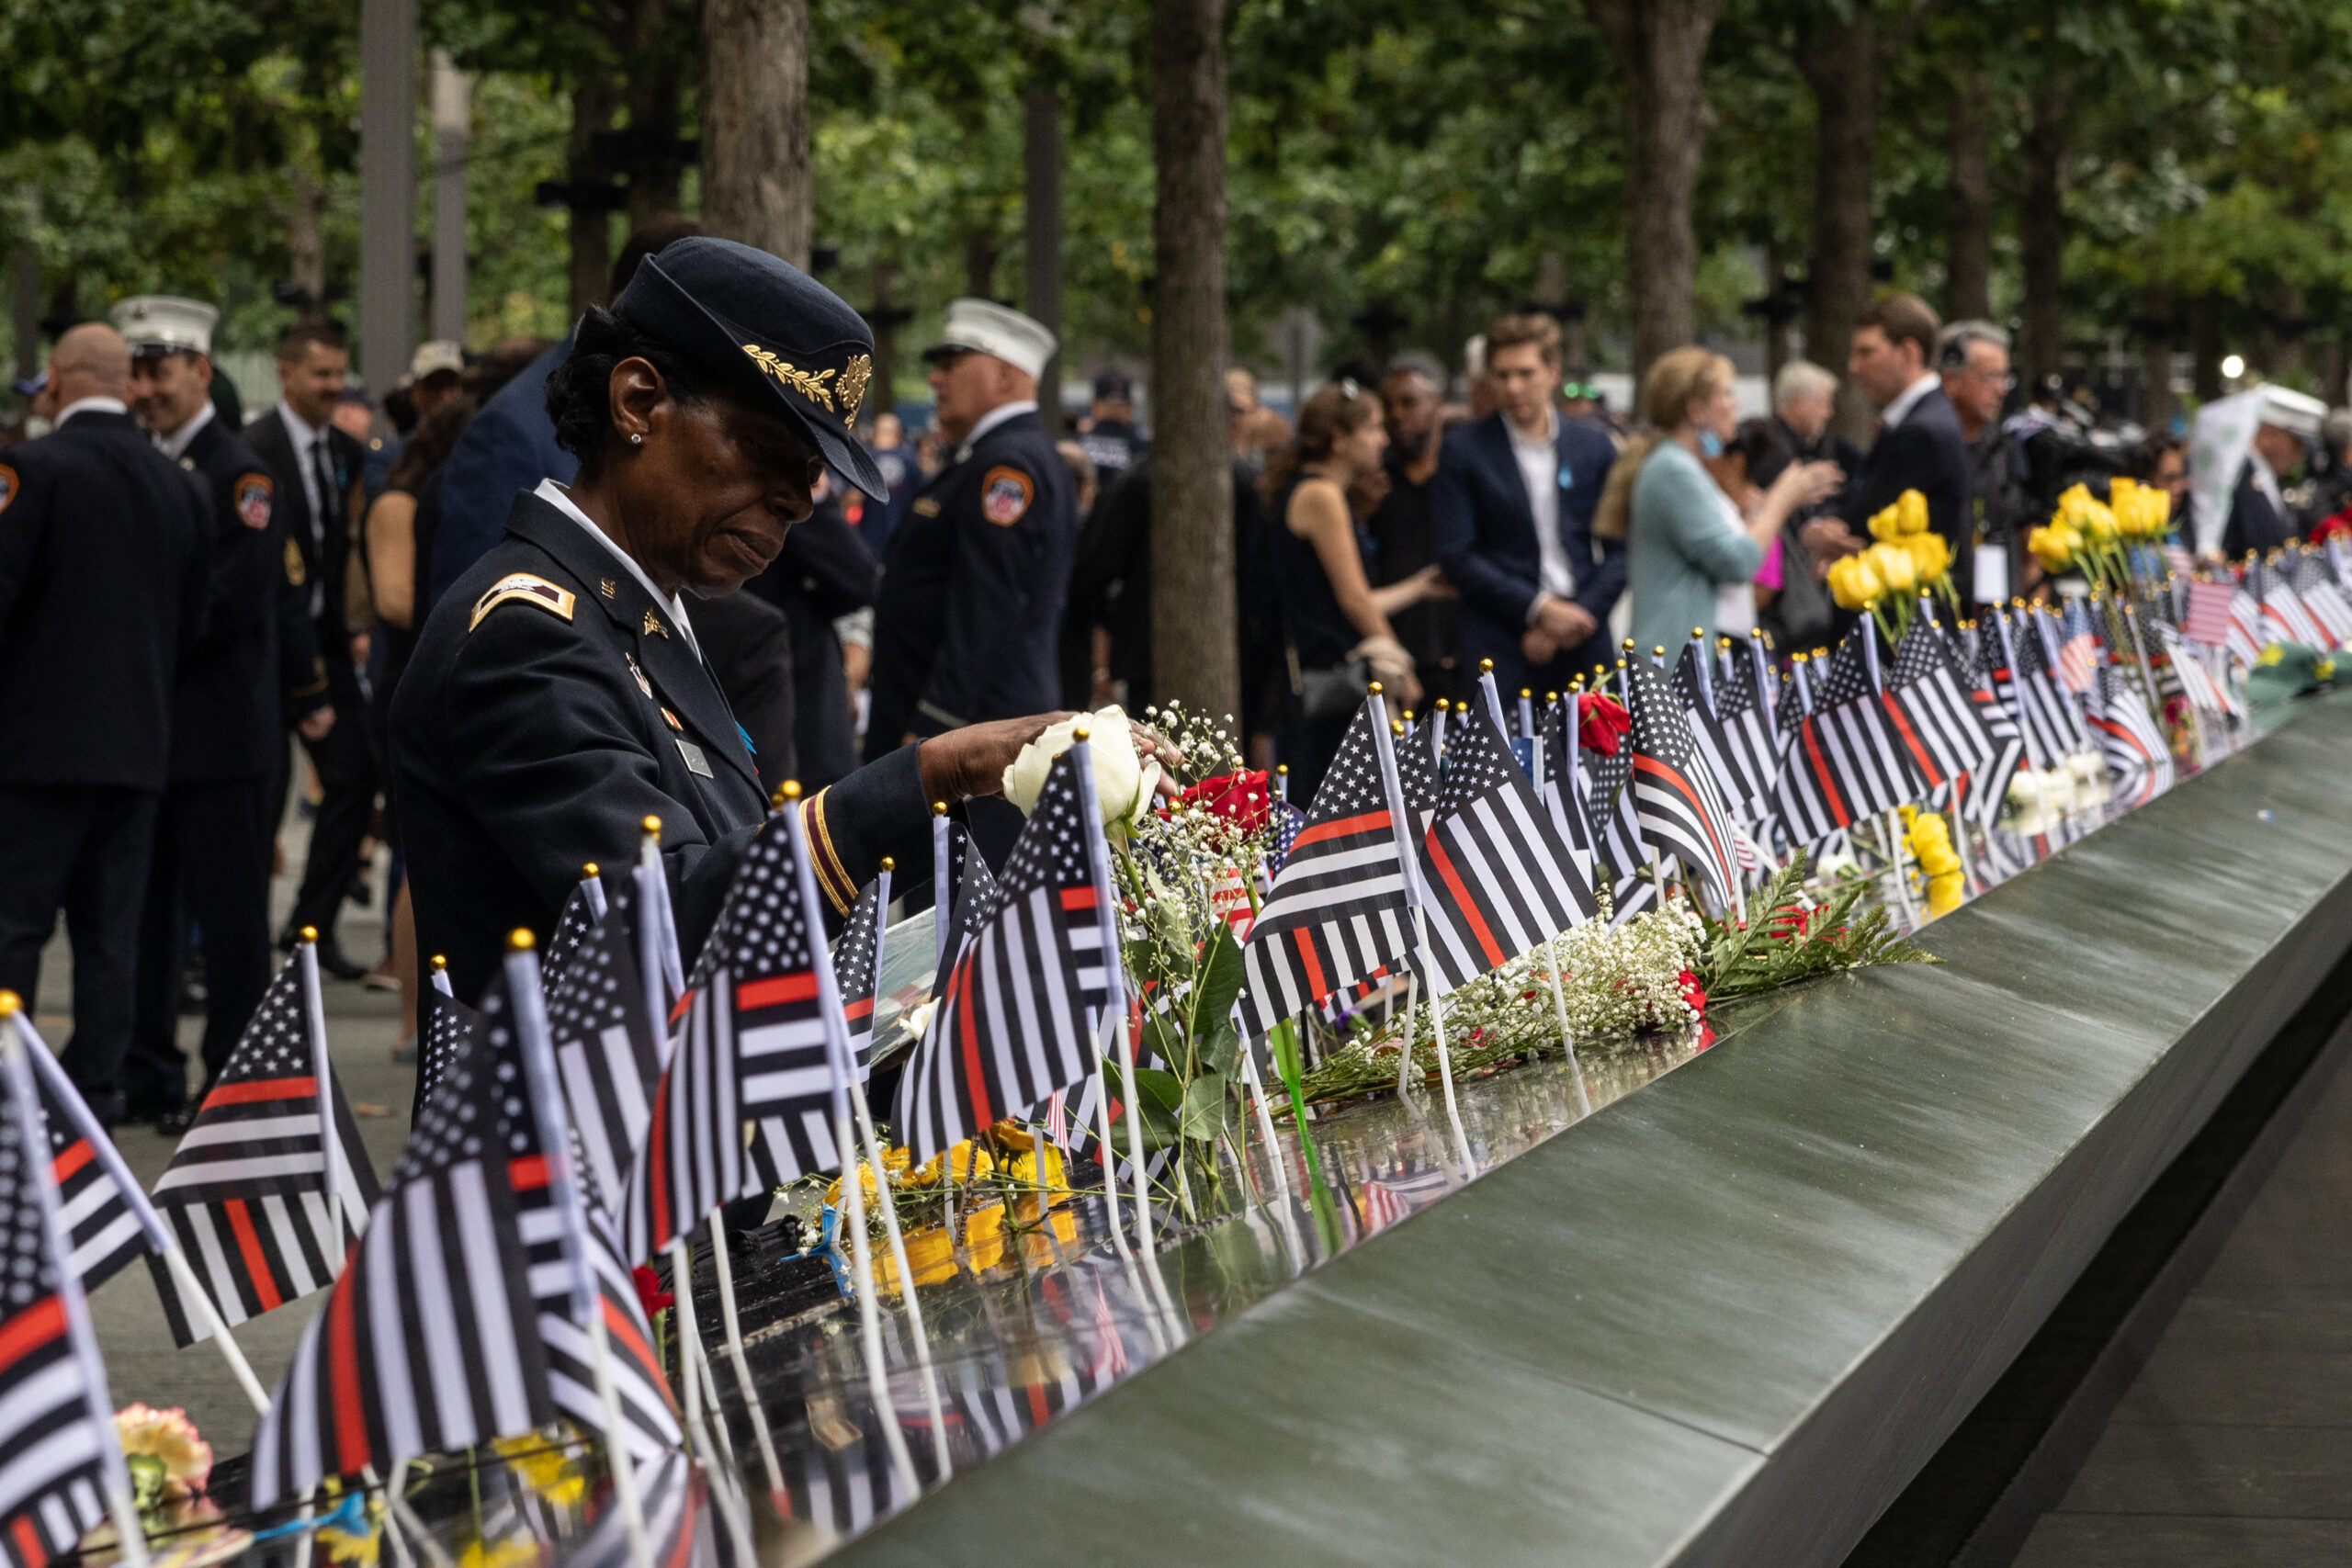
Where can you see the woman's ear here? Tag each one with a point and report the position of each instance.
(640, 397)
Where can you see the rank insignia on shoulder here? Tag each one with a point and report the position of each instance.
(295, 573)
(1004, 496)
(672, 720)
(253, 492)
(9, 486)
(521, 587)
(653, 626)
(607, 587)
(643, 683)
(925, 506)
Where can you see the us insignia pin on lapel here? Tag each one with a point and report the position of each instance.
(607, 587)
(672, 720)
(653, 626)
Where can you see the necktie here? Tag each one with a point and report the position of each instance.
(327, 497)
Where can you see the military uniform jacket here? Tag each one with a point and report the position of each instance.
(324, 560)
(255, 664)
(102, 591)
(2253, 524)
(550, 706)
(973, 586)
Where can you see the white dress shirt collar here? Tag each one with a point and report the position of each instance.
(555, 495)
(306, 434)
(989, 420)
(176, 444)
(90, 405)
(1900, 409)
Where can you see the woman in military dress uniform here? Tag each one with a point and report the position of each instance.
(556, 697)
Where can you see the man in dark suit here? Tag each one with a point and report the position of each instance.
(234, 689)
(1920, 445)
(321, 466)
(970, 610)
(103, 543)
(1512, 507)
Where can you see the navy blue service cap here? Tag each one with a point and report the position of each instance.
(752, 321)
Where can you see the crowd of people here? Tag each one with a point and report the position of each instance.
(189, 601)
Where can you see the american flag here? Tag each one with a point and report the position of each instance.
(2023, 682)
(1744, 708)
(2042, 628)
(605, 1056)
(581, 910)
(1726, 762)
(1940, 730)
(2135, 753)
(2284, 617)
(247, 1192)
(442, 1024)
(1841, 764)
(2208, 620)
(1338, 910)
(430, 1341)
(1387, 1199)
(2315, 582)
(1012, 1025)
(857, 965)
(1289, 822)
(2078, 652)
(1681, 812)
(1085, 1146)
(1986, 788)
(58, 1457)
(682, 1503)
(1498, 876)
(1417, 780)
(964, 872)
(1610, 805)
(2196, 683)
(101, 1206)
(1564, 785)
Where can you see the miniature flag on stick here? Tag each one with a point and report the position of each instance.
(265, 1200)
(1674, 796)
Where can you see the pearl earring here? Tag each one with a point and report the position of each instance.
(637, 440)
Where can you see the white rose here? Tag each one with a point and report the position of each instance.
(1123, 787)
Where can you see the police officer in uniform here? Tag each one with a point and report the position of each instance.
(234, 692)
(557, 696)
(2260, 518)
(975, 576)
(104, 543)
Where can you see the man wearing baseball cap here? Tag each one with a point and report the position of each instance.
(976, 570)
(256, 666)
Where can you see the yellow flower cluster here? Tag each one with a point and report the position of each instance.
(2084, 526)
(1930, 843)
(1906, 558)
(2142, 513)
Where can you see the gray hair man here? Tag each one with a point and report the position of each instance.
(1973, 357)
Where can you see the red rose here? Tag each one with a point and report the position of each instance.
(649, 1293)
(1693, 997)
(1241, 799)
(1602, 722)
(2339, 525)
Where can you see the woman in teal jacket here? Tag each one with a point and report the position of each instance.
(1691, 555)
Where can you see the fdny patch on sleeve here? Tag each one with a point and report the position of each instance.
(253, 493)
(1004, 496)
(9, 485)
(521, 587)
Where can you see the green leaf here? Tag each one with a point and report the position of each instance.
(1164, 1036)
(1220, 981)
(1203, 1115)
(1159, 1128)
(1221, 1049)
(1154, 1085)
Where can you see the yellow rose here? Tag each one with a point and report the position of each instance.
(1854, 583)
(1930, 556)
(1911, 512)
(1938, 860)
(1892, 564)
(1944, 893)
(2053, 547)
(2098, 521)
(1886, 526)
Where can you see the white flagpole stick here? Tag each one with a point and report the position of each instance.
(555, 1147)
(159, 1238)
(1890, 842)
(1102, 1136)
(844, 1065)
(1114, 1006)
(314, 1010)
(1444, 1058)
(592, 882)
(906, 1274)
(942, 897)
(25, 1101)
(652, 963)
(1405, 1084)
(715, 1424)
(890, 1210)
(751, 1403)
(1256, 1084)
(1526, 711)
(682, 1291)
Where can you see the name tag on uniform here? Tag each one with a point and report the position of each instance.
(695, 761)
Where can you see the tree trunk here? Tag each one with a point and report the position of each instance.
(1041, 266)
(2205, 348)
(2289, 326)
(980, 253)
(1840, 61)
(1968, 198)
(2041, 235)
(1195, 634)
(883, 398)
(2156, 354)
(1657, 46)
(651, 99)
(755, 180)
(305, 251)
(592, 228)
